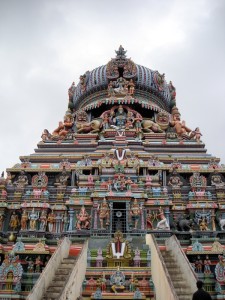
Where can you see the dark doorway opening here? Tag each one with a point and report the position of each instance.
(119, 217)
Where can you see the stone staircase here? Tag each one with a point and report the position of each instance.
(58, 283)
(183, 292)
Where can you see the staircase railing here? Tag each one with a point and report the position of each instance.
(48, 274)
(73, 288)
(163, 285)
(173, 245)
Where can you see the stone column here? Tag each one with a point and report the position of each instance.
(71, 219)
(167, 215)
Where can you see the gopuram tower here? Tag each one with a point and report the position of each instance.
(120, 201)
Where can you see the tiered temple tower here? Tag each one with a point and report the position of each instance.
(121, 164)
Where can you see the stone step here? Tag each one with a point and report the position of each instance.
(185, 297)
(175, 277)
(179, 282)
(59, 278)
(54, 289)
(52, 295)
(69, 260)
(66, 265)
(180, 290)
(58, 282)
(62, 272)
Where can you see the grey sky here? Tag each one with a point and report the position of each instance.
(45, 45)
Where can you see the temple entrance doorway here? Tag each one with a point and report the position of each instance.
(119, 217)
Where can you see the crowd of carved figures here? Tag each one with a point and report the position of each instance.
(122, 117)
(43, 217)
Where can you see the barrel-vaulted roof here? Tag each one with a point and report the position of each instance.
(147, 80)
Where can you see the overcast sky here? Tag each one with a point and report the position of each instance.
(47, 44)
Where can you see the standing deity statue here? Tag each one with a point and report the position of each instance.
(43, 220)
(207, 264)
(24, 220)
(135, 213)
(14, 221)
(33, 220)
(104, 213)
(51, 221)
(38, 264)
(2, 218)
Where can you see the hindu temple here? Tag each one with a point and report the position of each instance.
(120, 201)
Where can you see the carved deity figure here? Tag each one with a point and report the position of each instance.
(43, 220)
(175, 181)
(62, 180)
(163, 224)
(207, 264)
(33, 220)
(117, 281)
(24, 220)
(51, 221)
(120, 118)
(21, 181)
(180, 127)
(83, 219)
(203, 224)
(131, 87)
(30, 267)
(2, 218)
(138, 122)
(198, 265)
(38, 264)
(104, 214)
(135, 213)
(149, 218)
(63, 128)
(216, 181)
(14, 221)
(46, 135)
(197, 134)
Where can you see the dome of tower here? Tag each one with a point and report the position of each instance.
(150, 85)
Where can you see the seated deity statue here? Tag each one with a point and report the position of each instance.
(21, 181)
(216, 181)
(135, 213)
(64, 127)
(62, 180)
(120, 117)
(46, 135)
(180, 127)
(117, 280)
(83, 219)
(104, 214)
(175, 181)
(203, 224)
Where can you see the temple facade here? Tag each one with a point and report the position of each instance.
(120, 177)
